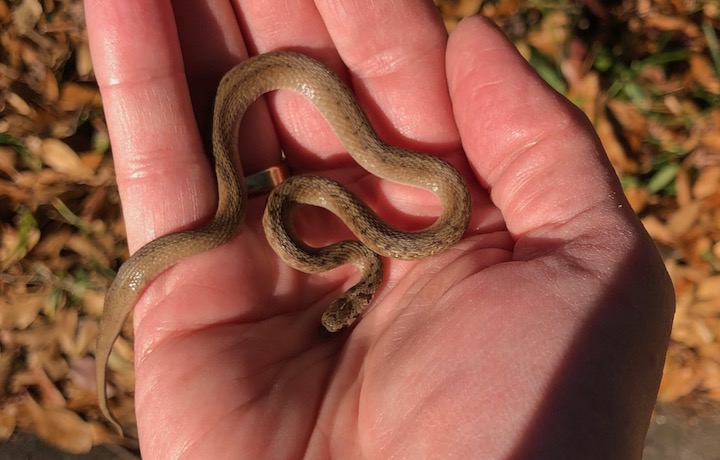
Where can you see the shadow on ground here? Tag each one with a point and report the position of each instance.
(676, 435)
(27, 446)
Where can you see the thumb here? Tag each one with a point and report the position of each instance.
(537, 152)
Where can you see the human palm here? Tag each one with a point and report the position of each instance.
(538, 333)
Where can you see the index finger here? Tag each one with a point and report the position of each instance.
(164, 179)
(157, 74)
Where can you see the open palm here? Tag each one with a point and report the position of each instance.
(542, 332)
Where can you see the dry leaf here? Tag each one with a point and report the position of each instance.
(60, 427)
(706, 308)
(585, 93)
(682, 187)
(8, 421)
(74, 96)
(60, 157)
(19, 104)
(677, 382)
(83, 63)
(86, 337)
(613, 148)
(50, 396)
(50, 246)
(704, 73)
(92, 302)
(466, 8)
(711, 350)
(22, 309)
(66, 324)
(710, 372)
(683, 219)
(638, 198)
(7, 357)
(15, 245)
(711, 140)
(692, 333)
(4, 12)
(657, 230)
(88, 249)
(26, 16)
(707, 183)
(8, 158)
(551, 34)
(709, 288)
(674, 24)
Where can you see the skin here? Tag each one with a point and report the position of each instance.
(542, 334)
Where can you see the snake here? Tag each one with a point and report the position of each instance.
(237, 90)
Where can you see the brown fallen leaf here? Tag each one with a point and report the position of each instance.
(710, 372)
(21, 309)
(61, 158)
(707, 183)
(50, 396)
(703, 72)
(613, 147)
(706, 308)
(682, 220)
(60, 427)
(657, 230)
(83, 63)
(15, 245)
(638, 198)
(19, 104)
(8, 421)
(87, 248)
(674, 24)
(75, 96)
(678, 381)
(708, 288)
(26, 15)
(8, 160)
(682, 187)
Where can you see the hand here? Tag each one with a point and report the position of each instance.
(542, 334)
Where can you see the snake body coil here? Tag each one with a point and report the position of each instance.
(240, 87)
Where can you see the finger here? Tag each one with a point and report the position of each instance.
(396, 55)
(395, 58)
(535, 150)
(163, 175)
(282, 24)
(295, 25)
(396, 67)
(212, 43)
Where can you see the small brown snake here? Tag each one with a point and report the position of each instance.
(238, 89)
